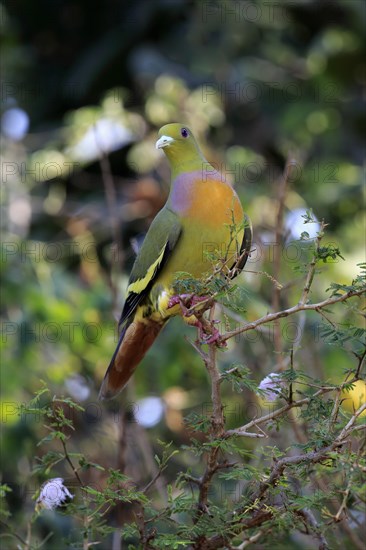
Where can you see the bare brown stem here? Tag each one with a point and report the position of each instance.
(243, 430)
(217, 424)
(312, 266)
(361, 360)
(277, 261)
(111, 198)
(309, 520)
(68, 459)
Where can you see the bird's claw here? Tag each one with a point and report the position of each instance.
(173, 301)
(186, 302)
(210, 335)
(215, 338)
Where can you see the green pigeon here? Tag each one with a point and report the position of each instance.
(199, 215)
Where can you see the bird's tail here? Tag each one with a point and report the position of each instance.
(135, 339)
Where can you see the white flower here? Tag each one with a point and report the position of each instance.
(53, 493)
(272, 386)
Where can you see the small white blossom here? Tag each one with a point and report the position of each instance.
(272, 385)
(53, 493)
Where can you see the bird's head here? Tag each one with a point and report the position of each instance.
(178, 143)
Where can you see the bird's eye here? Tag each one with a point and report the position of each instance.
(184, 132)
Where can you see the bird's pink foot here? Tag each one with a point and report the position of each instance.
(186, 302)
(208, 334)
(198, 299)
(174, 300)
(215, 338)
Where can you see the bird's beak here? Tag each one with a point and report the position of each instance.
(164, 141)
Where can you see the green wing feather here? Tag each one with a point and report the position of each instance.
(156, 248)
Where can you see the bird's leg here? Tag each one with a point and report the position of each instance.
(187, 302)
(182, 300)
(208, 333)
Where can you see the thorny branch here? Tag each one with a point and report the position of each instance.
(242, 431)
(217, 424)
(310, 521)
(260, 515)
(259, 512)
(291, 311)
(312, 267)
(310, 457)
(361, 360)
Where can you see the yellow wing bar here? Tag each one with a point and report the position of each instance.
(140, 284)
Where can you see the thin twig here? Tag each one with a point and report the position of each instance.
(249, 541)
(311, 456)
(243, 430)
(280, 465)
(361, 360)
(153, 480)
(351, 422)
(291, 311)
(277, 261)
(312, 267)
(109, 187)
(309, 519)
(335, 410)
(111, 197)
(12, 534)
(359, 544)
(326, 318)
(342, 507)
(68, 459)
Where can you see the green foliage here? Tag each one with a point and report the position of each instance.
(223, 491)
(239, 492)
(239, 378)
(330, 252)
(358, 282)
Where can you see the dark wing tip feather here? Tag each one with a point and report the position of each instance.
(246, 244)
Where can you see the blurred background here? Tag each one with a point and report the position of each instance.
(85, 86)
